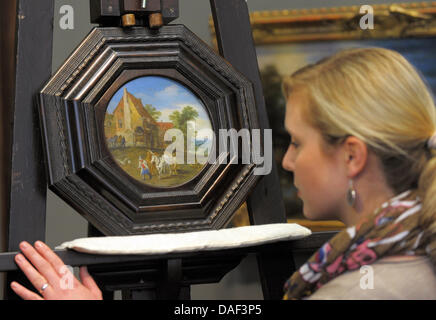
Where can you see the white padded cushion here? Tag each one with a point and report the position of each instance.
(190, 241)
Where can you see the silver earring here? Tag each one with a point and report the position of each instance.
(351, 194)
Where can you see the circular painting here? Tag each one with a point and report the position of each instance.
(158, 131)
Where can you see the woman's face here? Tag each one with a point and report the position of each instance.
(319, 172)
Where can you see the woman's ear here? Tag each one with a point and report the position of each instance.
(356, 155)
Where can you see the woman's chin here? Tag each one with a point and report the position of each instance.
(318, 215)
(308, 214)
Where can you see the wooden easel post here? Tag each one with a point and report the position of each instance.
(26, 185)
(265, 203)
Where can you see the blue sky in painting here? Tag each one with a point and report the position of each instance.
(166, 95)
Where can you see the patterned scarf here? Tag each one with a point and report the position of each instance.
(393, 229)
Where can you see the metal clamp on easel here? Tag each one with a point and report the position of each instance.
(129, 13)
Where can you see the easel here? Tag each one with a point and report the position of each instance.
(27, 183)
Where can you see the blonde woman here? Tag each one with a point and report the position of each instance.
(363, 128)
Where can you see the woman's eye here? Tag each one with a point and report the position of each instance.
(293, 143)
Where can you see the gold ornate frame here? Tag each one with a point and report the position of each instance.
(399, 20)
(342, 23)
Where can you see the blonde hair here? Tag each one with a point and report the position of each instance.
(376, 95)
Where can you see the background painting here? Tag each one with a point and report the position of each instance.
(137, 118)
(278, 60)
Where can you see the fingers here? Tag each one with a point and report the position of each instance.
(42, 265)
(50, 256)
(24, 293)
(57, 263)
(34, 276)
(51, 277)
(88, 281)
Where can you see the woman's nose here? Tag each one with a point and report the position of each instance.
(287, 162)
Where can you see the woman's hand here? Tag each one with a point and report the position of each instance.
(51, 277)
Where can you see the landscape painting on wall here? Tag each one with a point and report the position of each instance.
(137, 118)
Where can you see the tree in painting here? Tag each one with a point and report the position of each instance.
(180, 119)
(153, 112)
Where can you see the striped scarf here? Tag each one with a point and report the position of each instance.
(393, 229)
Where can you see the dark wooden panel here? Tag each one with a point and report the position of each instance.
(236, 45)
(265, 203)
(33, 68)
(26, 187)
(7, 61)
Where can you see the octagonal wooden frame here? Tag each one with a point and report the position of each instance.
(79, 169)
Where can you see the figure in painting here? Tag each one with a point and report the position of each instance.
(152, 161)
(144, 168)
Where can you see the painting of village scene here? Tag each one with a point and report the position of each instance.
(137, 117)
